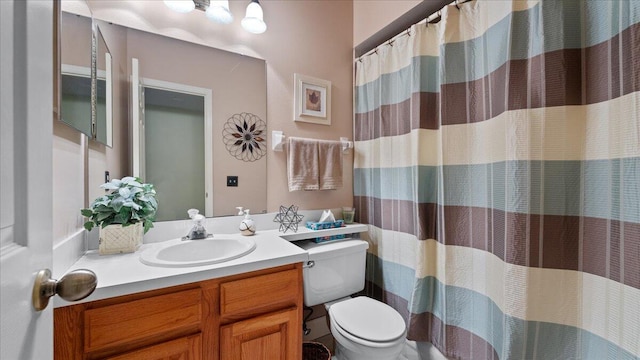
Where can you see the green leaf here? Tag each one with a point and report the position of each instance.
(86, 212)
(148, 224)
(121, 219)
(103, 209)
(102, 216)
(117, 204)
(107, 222)
(88, 225)
(123, 216)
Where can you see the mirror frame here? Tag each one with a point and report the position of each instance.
(96, 39)
(57, 61)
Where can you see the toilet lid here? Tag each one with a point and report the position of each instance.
(368, 319)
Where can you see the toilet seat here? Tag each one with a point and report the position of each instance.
(368, 321)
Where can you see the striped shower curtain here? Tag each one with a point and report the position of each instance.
(497, 163)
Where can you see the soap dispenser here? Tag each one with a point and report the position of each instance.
(247, 225)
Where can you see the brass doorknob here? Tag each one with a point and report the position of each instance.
(74, 286)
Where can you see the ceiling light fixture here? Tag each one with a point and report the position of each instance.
(218, 11)
(253, 21)
(181, 6)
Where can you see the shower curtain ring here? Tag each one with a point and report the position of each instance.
(456, 4)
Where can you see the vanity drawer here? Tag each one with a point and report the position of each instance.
(260, 294)
(138, 320)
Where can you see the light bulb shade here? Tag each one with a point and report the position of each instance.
(252, 21)
(218, 11)
(181, 6)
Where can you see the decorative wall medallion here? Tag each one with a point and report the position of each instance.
(243, 135)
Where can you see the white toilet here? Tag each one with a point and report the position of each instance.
(364, 328)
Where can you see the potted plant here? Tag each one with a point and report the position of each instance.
(123, 214)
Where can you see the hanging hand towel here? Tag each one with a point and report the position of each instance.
(302, 166)
(330, 164)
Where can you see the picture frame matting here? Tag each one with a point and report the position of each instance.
(312, 100)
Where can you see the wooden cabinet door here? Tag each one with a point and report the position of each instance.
(268, 337)
(186, 348)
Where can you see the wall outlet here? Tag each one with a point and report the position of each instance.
(232, 181)
(107, 178)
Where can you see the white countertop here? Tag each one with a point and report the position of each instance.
(124, 274)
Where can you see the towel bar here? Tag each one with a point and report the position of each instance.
(278, 137)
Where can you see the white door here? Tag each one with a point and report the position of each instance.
(26, 108)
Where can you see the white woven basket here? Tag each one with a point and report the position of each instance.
(118, 239)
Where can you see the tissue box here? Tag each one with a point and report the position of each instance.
(324, 225)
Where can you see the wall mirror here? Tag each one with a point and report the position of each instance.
(85, 77)
(182, 96)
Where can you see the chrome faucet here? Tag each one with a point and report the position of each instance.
(197, 231)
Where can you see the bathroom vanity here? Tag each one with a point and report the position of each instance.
(245, 308)
(247, 316)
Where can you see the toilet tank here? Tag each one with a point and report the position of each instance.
(338, 270)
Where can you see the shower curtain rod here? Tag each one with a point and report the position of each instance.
(404, 23)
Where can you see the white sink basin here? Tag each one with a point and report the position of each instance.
(185, 253)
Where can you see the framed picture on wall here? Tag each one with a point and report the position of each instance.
(312, 100)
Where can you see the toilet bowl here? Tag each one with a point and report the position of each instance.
(366, 329)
